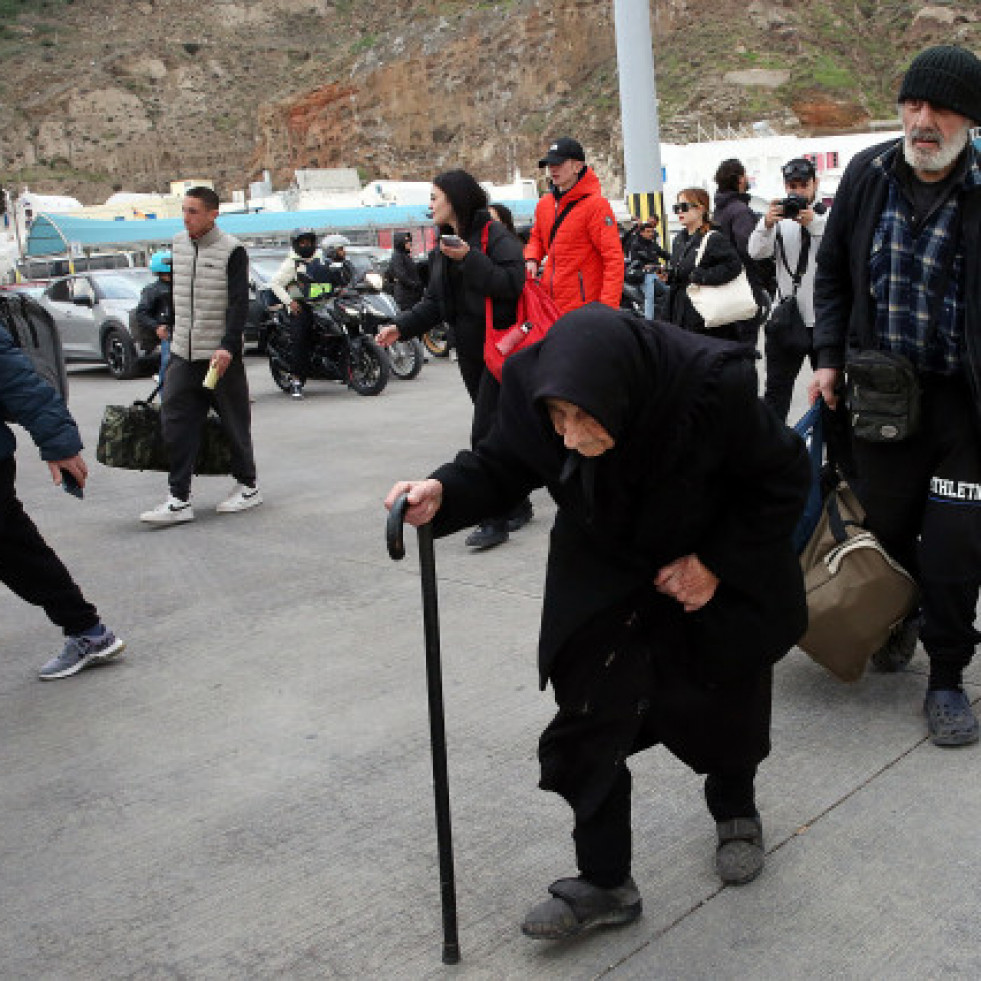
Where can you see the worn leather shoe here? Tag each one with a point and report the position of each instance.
(577, 905)
(950, 718)
(487, 535)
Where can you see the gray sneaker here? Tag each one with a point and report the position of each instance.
(578, 905)
(80, 651)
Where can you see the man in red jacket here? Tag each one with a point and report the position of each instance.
(575, 233)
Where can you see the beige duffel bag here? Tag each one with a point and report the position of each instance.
(856, 593)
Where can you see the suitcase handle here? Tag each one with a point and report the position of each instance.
(394, 527)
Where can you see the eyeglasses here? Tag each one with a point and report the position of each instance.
(682, 206)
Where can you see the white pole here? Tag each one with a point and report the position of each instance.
(638, 108)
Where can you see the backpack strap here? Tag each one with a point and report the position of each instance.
(488, 302)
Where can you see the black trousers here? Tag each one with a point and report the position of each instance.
(301, 327)
(31, 569)
(923, 500)
(185, 406)
(623, 684)
(782, 370)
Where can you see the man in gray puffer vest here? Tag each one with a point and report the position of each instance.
(211, 299)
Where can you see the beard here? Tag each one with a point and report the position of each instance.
(941, 156)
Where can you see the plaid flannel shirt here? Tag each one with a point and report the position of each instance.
(905, 271)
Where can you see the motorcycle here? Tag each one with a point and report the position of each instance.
(405, 357)
(340, 349)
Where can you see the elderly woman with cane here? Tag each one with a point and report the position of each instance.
(671, 588)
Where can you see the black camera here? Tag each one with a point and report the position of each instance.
(792, 205)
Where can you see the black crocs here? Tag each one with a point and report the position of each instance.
(950, 718)
(577, 905)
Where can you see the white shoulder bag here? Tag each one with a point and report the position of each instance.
(725, 304)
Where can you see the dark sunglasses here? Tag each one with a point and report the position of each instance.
(682, 206)
(796, 171)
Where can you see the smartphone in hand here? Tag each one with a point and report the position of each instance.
(453, 241)
(70, 485)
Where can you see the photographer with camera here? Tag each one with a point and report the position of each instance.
(790, 232)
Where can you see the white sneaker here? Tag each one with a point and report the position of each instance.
(241, 499)
(173, 511)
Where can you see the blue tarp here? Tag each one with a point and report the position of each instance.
(56, 234)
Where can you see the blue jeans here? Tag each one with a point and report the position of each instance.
(654, 289)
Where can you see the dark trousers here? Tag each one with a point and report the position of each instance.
(301, 327)
(30, 568)
(623, 684)
(782, 370)
(923, 500)
(185, 406)
(603, 841)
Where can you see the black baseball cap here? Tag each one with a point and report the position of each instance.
(800, 169)
(565, 148)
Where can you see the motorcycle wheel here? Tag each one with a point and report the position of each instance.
(368, 371)
(280, 373)
(405, 358)
(437, 342)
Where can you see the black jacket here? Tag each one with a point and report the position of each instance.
(736, 220)
(646, 253)
(404, 274)
(456, 291)
(844, 308)
(156, 307)
(700, 466)
(720, 264)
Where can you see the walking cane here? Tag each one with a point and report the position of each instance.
(437, 732)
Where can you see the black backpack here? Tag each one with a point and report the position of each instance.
(34, 332)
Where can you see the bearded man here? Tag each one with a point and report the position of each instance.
(899, 272)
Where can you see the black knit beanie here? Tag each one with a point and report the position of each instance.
(947, 76)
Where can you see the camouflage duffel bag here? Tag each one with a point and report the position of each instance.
(130, 438)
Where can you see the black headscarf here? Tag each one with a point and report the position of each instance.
(641, 390)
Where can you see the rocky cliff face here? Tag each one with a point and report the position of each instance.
(98, 94)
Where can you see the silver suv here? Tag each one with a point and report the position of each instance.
(92, 311)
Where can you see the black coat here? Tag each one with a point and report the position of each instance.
(699, 466)
(720, 264)
(404, 273)
(844, 309)
(456, 292)
(736, 220)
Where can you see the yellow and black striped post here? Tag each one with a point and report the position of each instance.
(644, 206)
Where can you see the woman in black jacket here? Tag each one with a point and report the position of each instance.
(672, 585)
(720, 263)
(404, 272)
(462, 275)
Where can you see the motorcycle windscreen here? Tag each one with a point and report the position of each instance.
(35, 333)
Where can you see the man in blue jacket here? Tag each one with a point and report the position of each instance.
(28, 565)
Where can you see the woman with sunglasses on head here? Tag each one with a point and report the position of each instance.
(720, 263)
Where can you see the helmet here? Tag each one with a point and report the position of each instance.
(331, 243)
(297, 236)
(161, 262)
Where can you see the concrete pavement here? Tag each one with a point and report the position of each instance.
(247, 792)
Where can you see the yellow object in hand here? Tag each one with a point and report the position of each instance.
(211, 378)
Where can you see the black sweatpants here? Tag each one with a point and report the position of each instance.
(923, 500)
(31, 569)
(185, 406)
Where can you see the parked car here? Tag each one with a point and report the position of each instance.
(92, 311)
(263, 263)
(27, 288)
